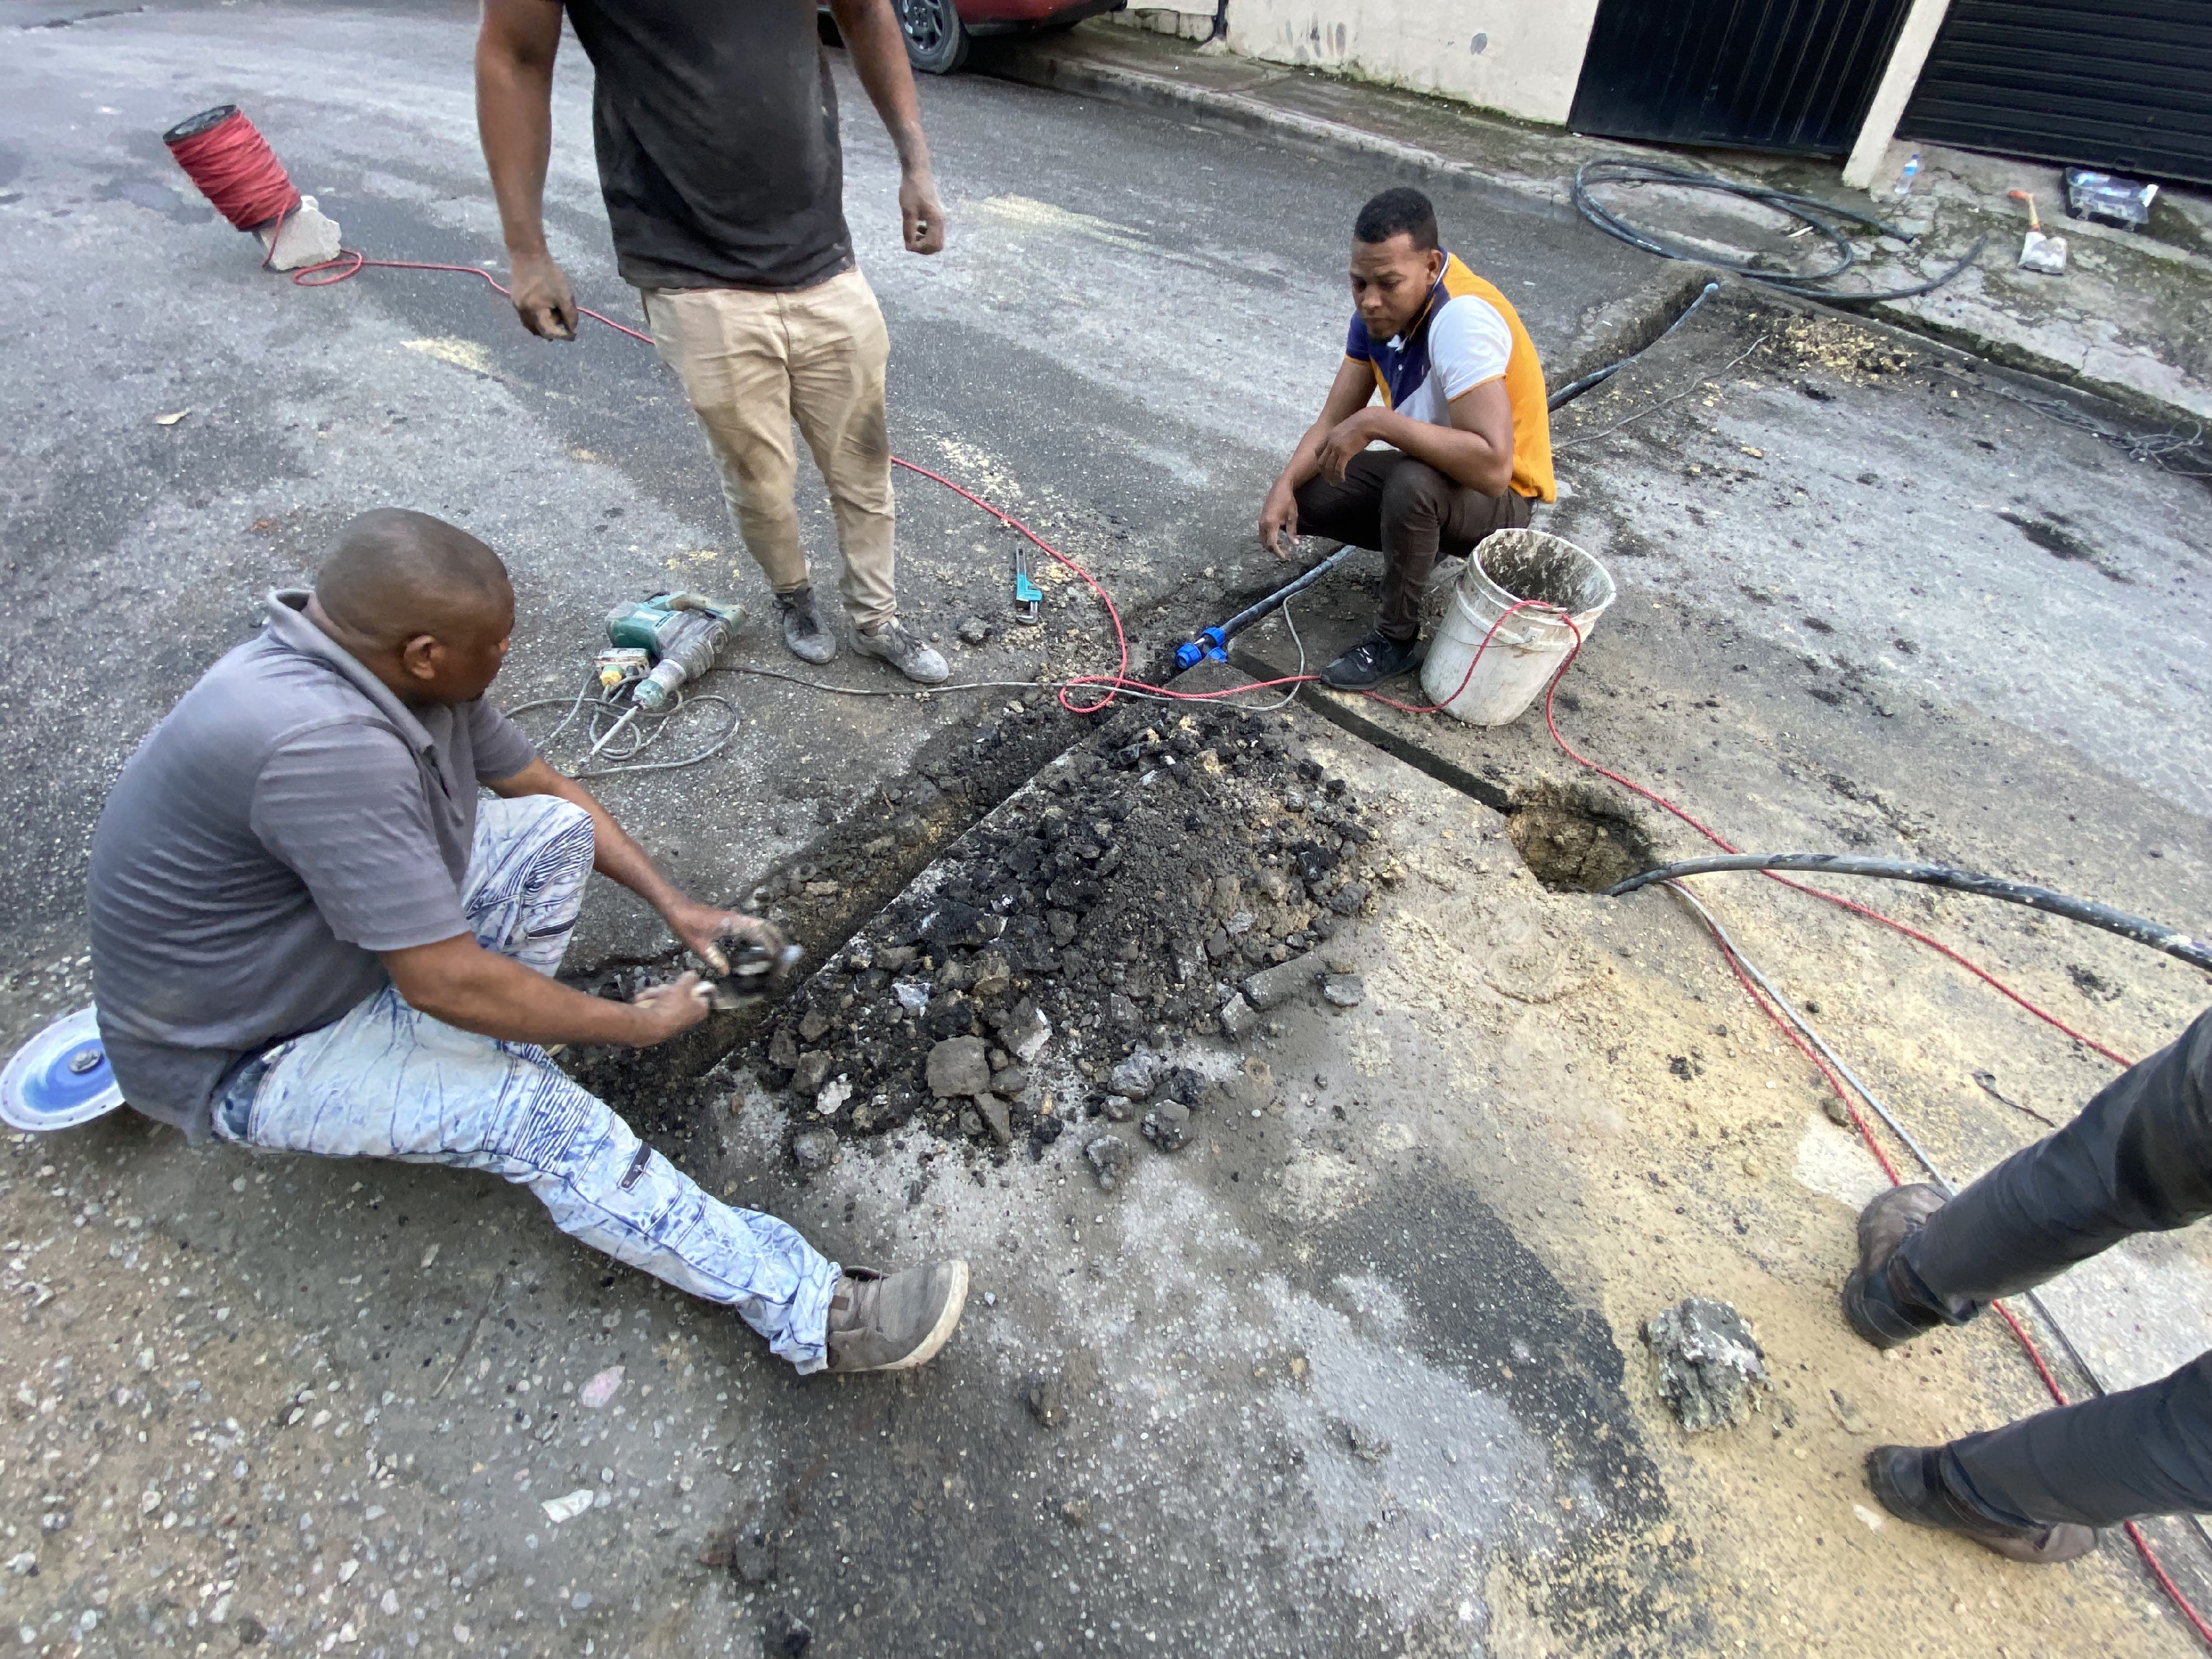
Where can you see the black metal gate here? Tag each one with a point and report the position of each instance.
(2122, 84)
(1793, 75)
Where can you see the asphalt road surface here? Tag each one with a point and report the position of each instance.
(1336, 1384)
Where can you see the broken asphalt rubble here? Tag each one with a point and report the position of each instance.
(1167, 882)
(1710, 1366)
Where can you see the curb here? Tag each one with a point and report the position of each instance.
(1239, 113)
(1250, 115)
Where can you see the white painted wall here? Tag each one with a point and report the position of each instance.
(1528, 60)
(1522, 57)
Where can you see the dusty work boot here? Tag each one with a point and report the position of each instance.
(904, 651)
(1881, 1300)
(1374, 659)
(1910, 1482)
(804, 635)
(889, 1324)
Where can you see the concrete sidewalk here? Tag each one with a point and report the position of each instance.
(2129, 319)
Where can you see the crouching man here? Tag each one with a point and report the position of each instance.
(1469, 441)
(308, 935)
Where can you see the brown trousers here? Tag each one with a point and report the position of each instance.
(751, 363)
(1412, 513)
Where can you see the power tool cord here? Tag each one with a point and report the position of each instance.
(648, 727)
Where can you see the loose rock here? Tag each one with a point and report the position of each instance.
(1026, 1031)
(974, 631)
(1345, 990)
(1167, 1125)
(1272, 987)
(1110, 1159)
(811, 1073)
(1237, 1017)
(1136, 1075)
(1710, 1366)
(959, 1066)
(1041, 1392)
(996, 1118)
(814, 1150)
(749, 1556)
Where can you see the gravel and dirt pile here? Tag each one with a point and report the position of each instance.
(1173, 877)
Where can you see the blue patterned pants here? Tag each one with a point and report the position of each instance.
(388, 1082)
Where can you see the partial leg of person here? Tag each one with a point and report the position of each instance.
(388, 1082)
(839, 351)
(729, 351)
(2125, 1455)
(2137, 1158)
(1413, 513)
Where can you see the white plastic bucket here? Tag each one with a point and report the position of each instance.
(1527, 650)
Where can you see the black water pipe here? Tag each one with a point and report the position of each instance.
(2172, 942)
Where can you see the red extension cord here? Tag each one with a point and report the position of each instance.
(234, 166)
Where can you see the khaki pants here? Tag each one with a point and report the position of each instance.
(752, 363)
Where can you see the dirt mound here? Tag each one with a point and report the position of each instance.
(1108, 911)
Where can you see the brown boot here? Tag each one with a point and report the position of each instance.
(1910, 1487)
(1874, 1305)
(880, 1323)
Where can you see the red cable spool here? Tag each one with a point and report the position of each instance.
(225, 155)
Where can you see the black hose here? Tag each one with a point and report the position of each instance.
(1822, 216)
(2172, 943)
(1574, 389)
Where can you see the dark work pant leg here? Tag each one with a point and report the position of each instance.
(2141, 1451)
(1352, 511)
(1410, 511)
(2138, 1159)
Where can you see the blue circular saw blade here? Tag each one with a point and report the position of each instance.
(60, 1078)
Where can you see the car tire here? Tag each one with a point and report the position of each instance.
(936, 39)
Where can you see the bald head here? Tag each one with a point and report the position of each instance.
(396, 575)
(424, 606)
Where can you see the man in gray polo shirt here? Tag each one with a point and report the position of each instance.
(309, 934)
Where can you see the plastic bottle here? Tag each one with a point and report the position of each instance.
(1906, 178)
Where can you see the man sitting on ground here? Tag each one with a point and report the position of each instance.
(2136, 1159)
(1463, 415)
(308, 935)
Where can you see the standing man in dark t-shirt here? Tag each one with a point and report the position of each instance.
(715, 124)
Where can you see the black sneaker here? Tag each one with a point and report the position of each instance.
(1908, 1480)
(804, 635)
(1370, 662)
(1875, 1305)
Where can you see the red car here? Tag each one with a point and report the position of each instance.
(937, 31)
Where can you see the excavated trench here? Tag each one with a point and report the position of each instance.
(1151, 859)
